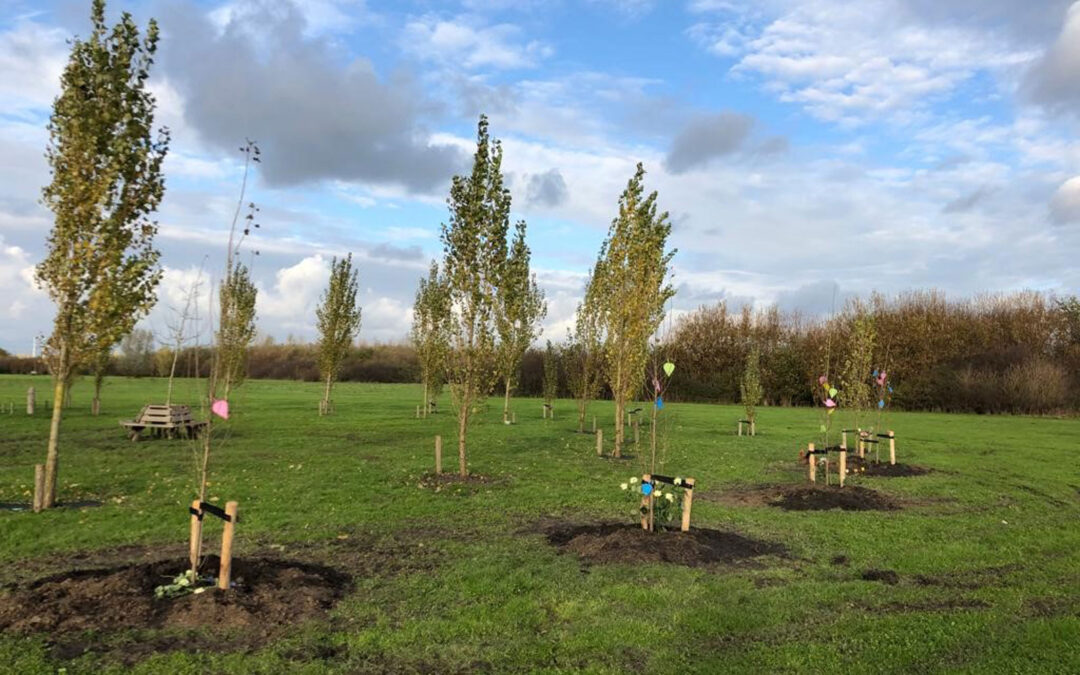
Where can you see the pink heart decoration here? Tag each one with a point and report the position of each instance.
(829, 403)
(656, 384)
(881, 379)
(822, 380)
(220, 408)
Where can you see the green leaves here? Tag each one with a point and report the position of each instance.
(338, 318)
(101, 267)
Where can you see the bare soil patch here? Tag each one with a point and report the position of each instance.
(868, 467)
(628, 543)
(807, 497)
(268, 593)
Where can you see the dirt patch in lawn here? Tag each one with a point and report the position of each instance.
(268, 593)
(868, 467)
(107, 605)
(628, 543)
(457, 484)
(807, 497)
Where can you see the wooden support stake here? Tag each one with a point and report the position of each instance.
(637, 431)
(513, 418)
(646, 503)
(599, 442)
(843, 440)
(417, 412)
(813, 462)
(438, 455)
(740, 427)
(30, 400)
(843, 466)
(543, 409)
(687, 502)
(892, 447)
(862, 446)
(231, 509)
(753, 428)
(195, 542)
(594, 424)
(39, 487)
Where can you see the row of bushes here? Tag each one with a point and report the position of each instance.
(1015, 353)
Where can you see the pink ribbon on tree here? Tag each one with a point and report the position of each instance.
(220, 408)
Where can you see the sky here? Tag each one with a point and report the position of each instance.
(802, 147)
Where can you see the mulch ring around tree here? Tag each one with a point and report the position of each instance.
(455, 483)
(269, 593)
(101, 605)
(806, 497)
(868, 467)
(628, 543)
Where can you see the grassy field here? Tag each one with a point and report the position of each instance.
(985, 548)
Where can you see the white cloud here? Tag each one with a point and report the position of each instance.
(848, 62)
(20, 298)
(32, 58)
(290, 303)
(462, 42)
(1065, 206)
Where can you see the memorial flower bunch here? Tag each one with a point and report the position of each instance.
(666, 501)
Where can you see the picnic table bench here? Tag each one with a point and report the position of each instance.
(168, 421)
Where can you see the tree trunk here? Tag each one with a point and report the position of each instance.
(95, 405)
(652, 434)
(427, 405)
(506, 401)
(52, 456)
(463, 425)
(620, 412)
(581, 416)
(325, 408)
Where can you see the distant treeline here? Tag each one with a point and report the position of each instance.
(1008, 353)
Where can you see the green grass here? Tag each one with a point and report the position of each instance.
(998, 520)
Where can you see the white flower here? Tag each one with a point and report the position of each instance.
(678, 481)
(624, 486)
(658, 494)
(199, 590)
(670, 497)
(633, 479)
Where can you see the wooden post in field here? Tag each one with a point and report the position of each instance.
(594, 424)
(39, 487)
(417, 412)
(843, 440)
(195, 543)
(843, 466)
(231, 509)
(753, 428)
(637, 431)
(687, 502)
(438, 455)
(813, 462)
(892, 447)
(646, 502)
(862, 446)
(740, 427)
(599, 442)
(30, 400)
(513, 418)
(543, 409)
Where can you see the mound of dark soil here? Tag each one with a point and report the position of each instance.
(623, 543)
(885, 576)
(268, 594)
(868, 467)
(825, 497)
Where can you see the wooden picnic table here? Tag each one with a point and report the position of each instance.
(164, 421)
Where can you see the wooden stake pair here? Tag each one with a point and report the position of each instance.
(647, 513)
(229, 515)
(751, 427)
(548, 410)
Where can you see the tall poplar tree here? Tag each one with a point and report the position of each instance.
(101, 267)
(520, 307)
(430, 336)
(750, 387)
(583, 354)
(338, 323)
(551, 374)
(631, 289)
(474, 245)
